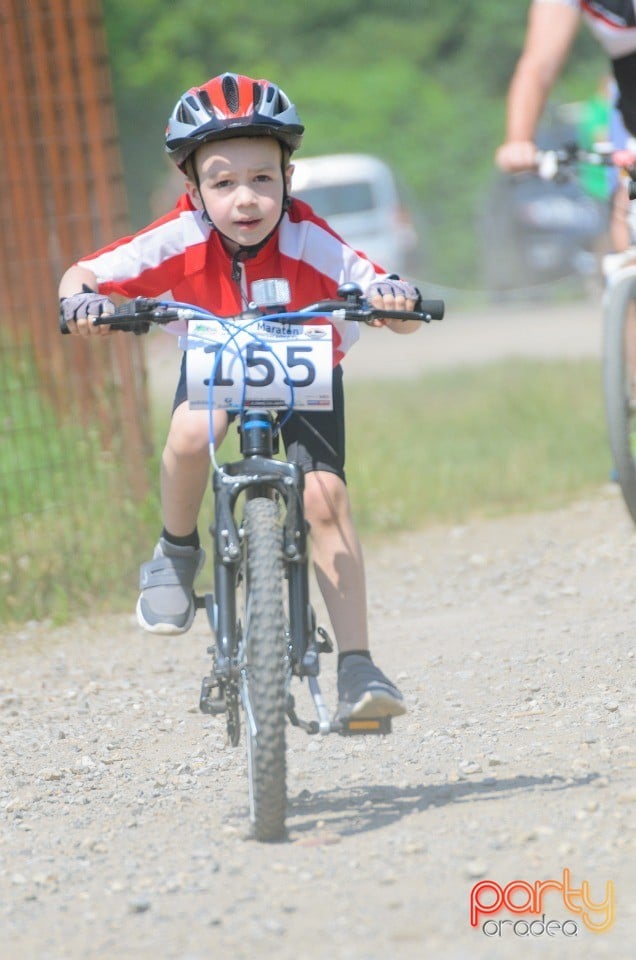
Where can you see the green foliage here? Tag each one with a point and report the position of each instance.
(421, 85)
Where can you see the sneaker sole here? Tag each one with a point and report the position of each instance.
(374, 706)
(164, 629)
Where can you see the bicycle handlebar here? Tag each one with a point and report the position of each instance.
(550, 163)
(135, 316)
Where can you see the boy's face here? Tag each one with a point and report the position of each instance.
(241, 187)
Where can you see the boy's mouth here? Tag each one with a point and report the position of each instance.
(247, 224)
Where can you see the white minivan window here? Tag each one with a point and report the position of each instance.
(338, 198)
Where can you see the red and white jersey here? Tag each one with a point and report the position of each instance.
(613, 22)
(181, 257)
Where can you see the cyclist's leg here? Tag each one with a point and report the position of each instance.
(337, 558)
(317, 442)
(166, 603)
(185, 465)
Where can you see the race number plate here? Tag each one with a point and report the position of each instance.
(267, 364)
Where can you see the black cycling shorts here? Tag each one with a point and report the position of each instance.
(625, 73)
(314, 440)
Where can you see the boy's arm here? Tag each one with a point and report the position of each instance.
(74, 281)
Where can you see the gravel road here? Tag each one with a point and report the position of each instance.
(123, 811)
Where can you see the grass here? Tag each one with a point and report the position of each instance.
(517, 436)
(510, 437)
(70, 537)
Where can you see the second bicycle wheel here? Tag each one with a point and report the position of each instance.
(619, 382)
(265, 668)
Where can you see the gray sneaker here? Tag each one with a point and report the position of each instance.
(365, 693)
(166, 603)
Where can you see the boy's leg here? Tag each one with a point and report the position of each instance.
(316, 441)
(185, 467)
(166, 603)
(363, 690)
(337, 558)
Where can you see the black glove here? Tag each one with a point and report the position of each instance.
(81, 305)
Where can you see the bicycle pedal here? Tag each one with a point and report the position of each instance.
(325, 644)
(369, 726)
(208, 703)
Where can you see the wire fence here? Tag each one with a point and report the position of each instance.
(74, 425)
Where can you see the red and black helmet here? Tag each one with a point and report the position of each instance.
(231, 106)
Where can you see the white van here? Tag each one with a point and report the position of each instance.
(358, 196)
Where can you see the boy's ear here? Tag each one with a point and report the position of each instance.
(193, 192)
(289, 169)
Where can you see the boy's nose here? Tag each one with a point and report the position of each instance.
(244, 194)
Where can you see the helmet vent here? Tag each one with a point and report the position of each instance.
(257, 95)
(183, 116)
(206, 103)
(231, 93)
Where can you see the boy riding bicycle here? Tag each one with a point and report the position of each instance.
(232, 138)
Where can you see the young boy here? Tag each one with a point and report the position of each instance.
(232, 138)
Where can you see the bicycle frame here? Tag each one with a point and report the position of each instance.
(258, 474)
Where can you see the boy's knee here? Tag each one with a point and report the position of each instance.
(325, 498)
(189, 434)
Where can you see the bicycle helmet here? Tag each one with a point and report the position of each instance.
(231, 105)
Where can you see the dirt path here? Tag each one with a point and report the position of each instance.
(123, 811)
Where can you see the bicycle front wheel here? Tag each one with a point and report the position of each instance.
(265, 668)
(619, 383)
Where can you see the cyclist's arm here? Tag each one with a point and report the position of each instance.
(550, 34)
(75, 279)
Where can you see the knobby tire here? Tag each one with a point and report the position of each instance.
(265, 656)
(618, 381)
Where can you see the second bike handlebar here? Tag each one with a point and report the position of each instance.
(550, 163)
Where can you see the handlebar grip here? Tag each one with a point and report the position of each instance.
(128, 324)
(433, 308)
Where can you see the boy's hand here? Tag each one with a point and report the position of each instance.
(78, 311)
(394, 295)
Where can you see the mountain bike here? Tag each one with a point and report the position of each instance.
(619, 320)
(260, 366)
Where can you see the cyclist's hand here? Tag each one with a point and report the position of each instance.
(517, 156)
(393, 294)
(78, 311)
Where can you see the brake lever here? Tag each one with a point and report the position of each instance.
(137, 316)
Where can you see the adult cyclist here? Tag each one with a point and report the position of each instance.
(551, 30)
